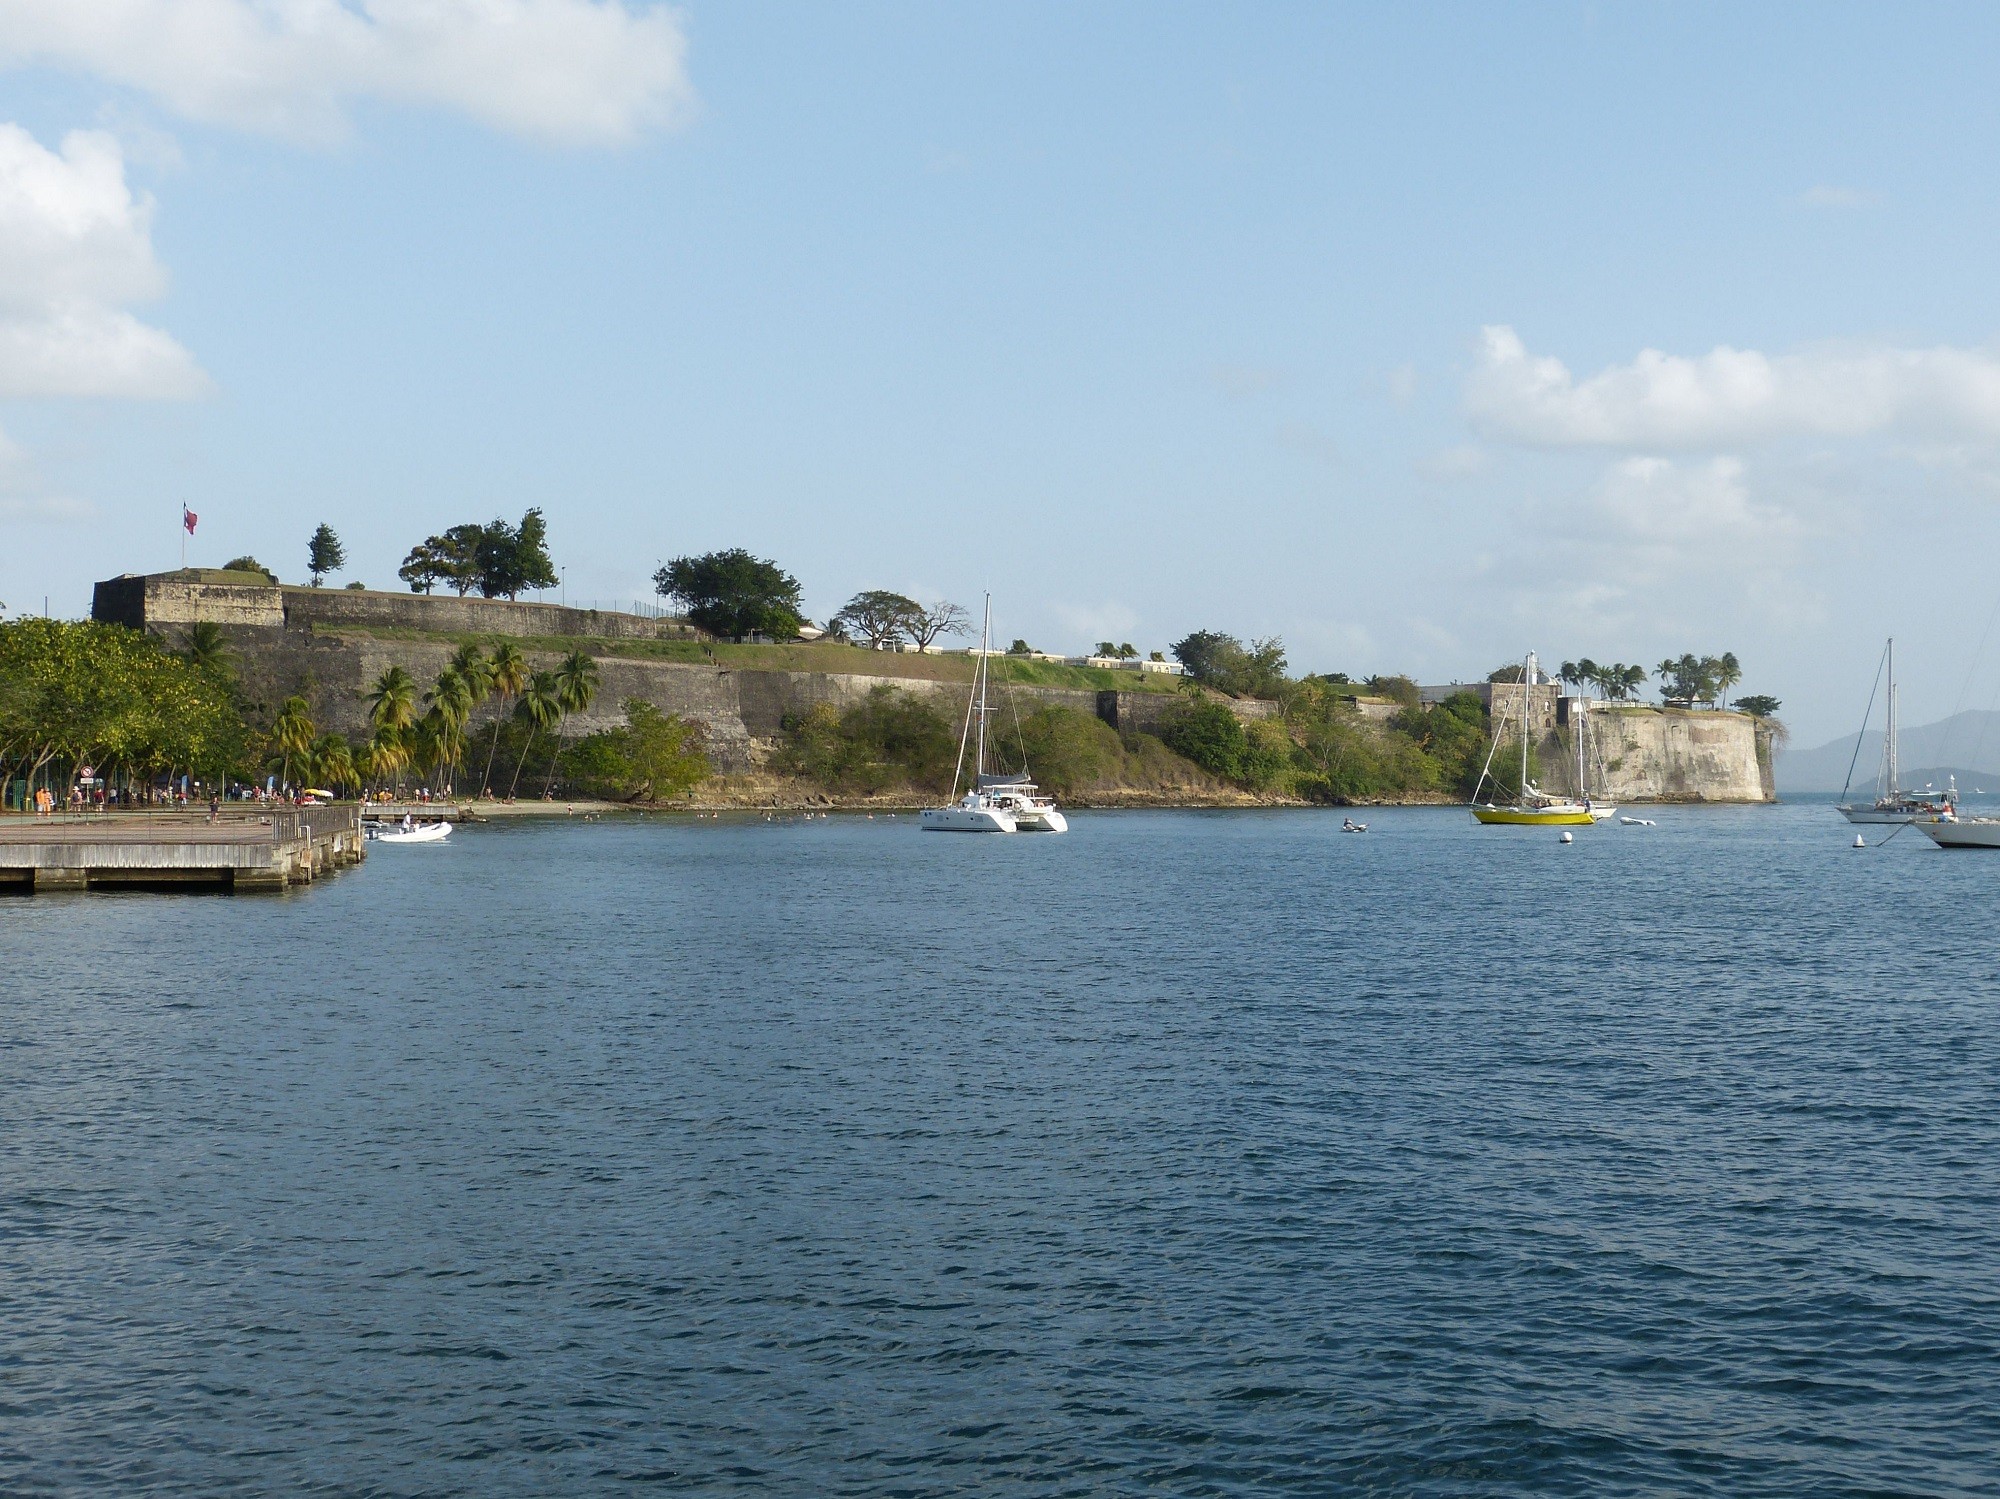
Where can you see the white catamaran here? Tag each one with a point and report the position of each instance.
(996, 803)
(1891, 803)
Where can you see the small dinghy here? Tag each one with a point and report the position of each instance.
(1349, 825)
(1638, 822)
(407, 831)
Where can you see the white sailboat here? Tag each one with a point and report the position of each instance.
(1891, 803)
(1002, 803)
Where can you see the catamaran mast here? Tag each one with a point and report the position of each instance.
(1889, 766)
(985, 644)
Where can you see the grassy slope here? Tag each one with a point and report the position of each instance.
(849, 660)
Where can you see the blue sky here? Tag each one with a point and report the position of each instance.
(1417, 337)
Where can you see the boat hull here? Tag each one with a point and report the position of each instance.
(966, 820)
(1974, 832)
(1535, 817)
(1879, 815)
(1041, 820)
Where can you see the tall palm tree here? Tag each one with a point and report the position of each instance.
(447, 707)
(208, 648)
(576, 689)
(507, 675)
(540, 708)
(1728, 672)
(292, 733)
(332, 761)
(393, 703)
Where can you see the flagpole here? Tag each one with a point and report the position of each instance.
(184, 535)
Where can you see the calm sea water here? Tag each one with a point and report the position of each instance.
(1189, 1154)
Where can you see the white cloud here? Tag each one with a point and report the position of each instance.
(1691, 510)
(1731, 397)
(75, 245)
(1095, 622)
(574, 72)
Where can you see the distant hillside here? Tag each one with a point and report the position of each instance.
(1966, 744)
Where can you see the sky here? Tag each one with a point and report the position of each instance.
(1418, 337)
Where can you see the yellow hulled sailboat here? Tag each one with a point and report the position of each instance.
(1534, 807)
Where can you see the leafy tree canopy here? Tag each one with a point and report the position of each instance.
(324, 553)
(1759, 706)
(500, 560)
(1226, 664)
(651, 757)
(880, 618)
(734, 594)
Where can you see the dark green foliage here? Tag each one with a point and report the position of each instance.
(500, 560)
(357, 585)
(324, 553)
(1341, 757)
(734, 594)
(652, 756)
(248, 564)
(879, 618)
(890, 738)
(1398, 690)
(1452, 736)
(1207, 733)
(1226, 664)
(1020, 648)
(1513, 673)
(1759, 706)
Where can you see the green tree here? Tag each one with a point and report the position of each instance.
(576, 689)
(292, 734)
(207, 650)
(539, 710)
(392, 705)
(248, 564)
(1759, 706)
(506, 675)
(1226, 664)
(880, 618)
(1021, 647)
(324, 553)
(652, 756)
(734, 594)
(889, 738)
(1207, 733)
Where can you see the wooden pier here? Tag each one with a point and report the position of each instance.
(241, 850)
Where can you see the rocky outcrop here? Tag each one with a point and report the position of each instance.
(1646, 754)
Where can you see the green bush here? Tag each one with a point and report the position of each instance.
(890, 738)
(1207, 733)
(651, 757)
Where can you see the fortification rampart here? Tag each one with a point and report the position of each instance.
(172, 601)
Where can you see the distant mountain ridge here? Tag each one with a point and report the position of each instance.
(1966, 745)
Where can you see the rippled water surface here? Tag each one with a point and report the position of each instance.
(1190, 1153)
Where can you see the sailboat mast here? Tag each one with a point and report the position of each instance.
(1524, 726)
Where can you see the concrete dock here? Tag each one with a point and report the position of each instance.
(240, 850)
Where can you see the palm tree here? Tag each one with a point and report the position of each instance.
(393, 703)
(540, 708)
(507, 674)
(576, 688)
(292, 733)
(333, 761)
(208, 648)
(448, 706)
(386, 754)
(1728, 672)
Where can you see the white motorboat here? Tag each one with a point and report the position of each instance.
(1953, 831)
(996, 803)
(1892, 803)
(408, 831)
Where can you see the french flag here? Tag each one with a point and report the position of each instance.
(188, 519)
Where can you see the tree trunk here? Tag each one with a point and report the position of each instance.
(515, 784)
